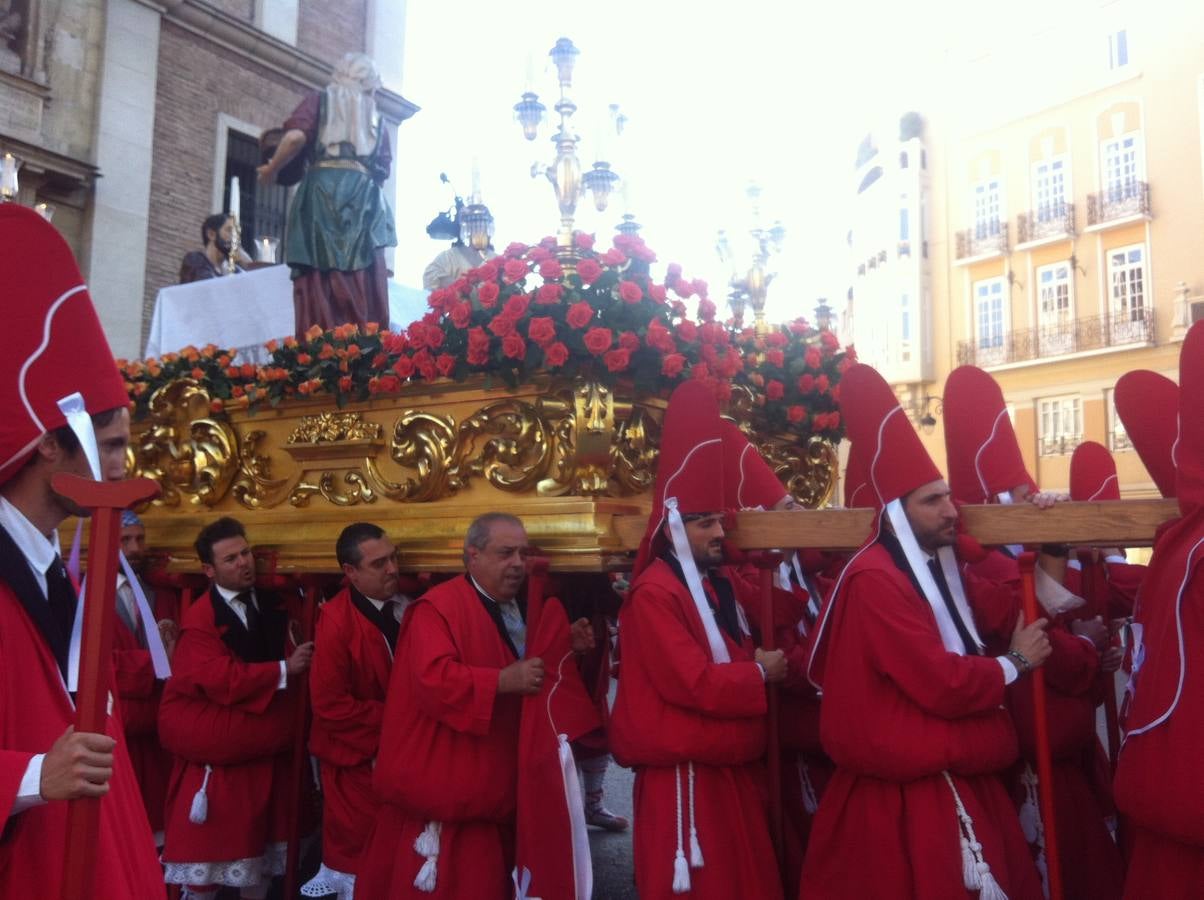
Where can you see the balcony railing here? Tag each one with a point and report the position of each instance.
(1118, 202)
(982, 241)
(1078, 336)
(1059, 445)
(1055, 220)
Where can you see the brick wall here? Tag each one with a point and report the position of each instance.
(197, 81)
(329, 28)
(240, 9)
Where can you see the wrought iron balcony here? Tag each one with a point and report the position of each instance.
(982, 241)
(1054, 220)
(1118, 202)
(1077, 336)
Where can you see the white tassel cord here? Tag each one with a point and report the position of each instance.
(199, 811)
(427, 844)
(696, 860)
(810, 800)
(681, 868)
(976, 873)
(1031, 823)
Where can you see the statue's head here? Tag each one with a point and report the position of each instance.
(358, 72)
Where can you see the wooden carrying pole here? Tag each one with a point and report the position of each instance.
(106, 500)
(1053, 862)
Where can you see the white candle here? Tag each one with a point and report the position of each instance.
(235, 198)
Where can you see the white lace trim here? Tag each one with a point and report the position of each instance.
(235, 873)
(330, 881)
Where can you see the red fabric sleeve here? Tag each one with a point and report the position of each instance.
(354, 721)
(903, 644)
(204, 662)
(682, 672)
(1074, 663)
(305, 117)
(456, 695)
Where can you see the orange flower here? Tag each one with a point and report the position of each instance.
(140, 388)
(327, 352)
(232, 372)
(242, 402)
(247, 370)
(353, 351)
(170, 357)
(304, 359)
(271, 346)
(303, 387)
(315, 332)
(152, 369)
(215, 406)
(198, 374)
(371, 328)
(343, 367)
(190, 353)
(223, 360)
(237, 391)
(290, 342)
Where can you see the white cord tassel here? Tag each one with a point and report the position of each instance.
(976, 873)
(810, 799)
(1031, 823)
(696, 860)
(199, 811)
(427, 844)
(681, 868)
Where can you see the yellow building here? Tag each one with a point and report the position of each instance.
(1066, 234)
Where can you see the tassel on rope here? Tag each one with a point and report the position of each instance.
(199, 811)
(681, 868)
(427, 844)
(1031, 823)
(810, 800)
(976, 872)
(696, 860)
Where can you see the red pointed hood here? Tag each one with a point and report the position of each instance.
(748, 482)
(857, 490)
(690, 467)
(896, 463)
(1188, 452)
(983, 455)
(1093, 473)
(54, 345)
(1148, 405)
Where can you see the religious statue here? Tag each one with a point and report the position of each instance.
(340, 221)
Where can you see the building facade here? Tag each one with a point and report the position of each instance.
(131, 117)
(1067, 232)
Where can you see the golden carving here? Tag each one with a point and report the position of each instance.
(334, 427)
(192, 454)
(518, 453)
(634, 452)
(358, 492)
(809, 473)
(254, 487)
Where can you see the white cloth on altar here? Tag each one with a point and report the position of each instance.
(244, 312)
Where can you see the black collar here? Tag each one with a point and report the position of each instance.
(15, 570)
(495, 613)
(265, 644)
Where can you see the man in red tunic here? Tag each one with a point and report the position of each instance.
(227, 715)
(689, 716)
(448, 760)
(912, 709)
(1158, 783)
(353, 653)
(65, 412)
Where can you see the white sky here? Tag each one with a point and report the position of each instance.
(717, 95)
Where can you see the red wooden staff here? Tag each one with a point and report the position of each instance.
(106, 500)
(1053, 862)
(1096, 590)
(767, 562)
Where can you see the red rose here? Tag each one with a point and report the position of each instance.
(672, 272)
(850, 353)
(614, 257)
(630, 292)
(542, 330)
(345, 383)
(425, 364)
(490, 268)
(672, 365)
(478, 346)
(733, 362)
(806, 384)
(514, 346)
(819, 421)
(550, 269)
(446, 364)
(487, 293)
(836, 393)
(478, 356)
(679, 308)
(403, 367)
(657, 292)
(515, 249)
(834, 419)
(642, 252)
(514, 270)
(549, 294)
(617, 360)
(776, 339)
(516, 306)
(821, 384)
(796, 414)
(540, 254)
(775, 389)
(598, 340)
(682, 287)
(659, 338)
(629, 341)
(829, 340)
(798, 327)
(712, 333)
(583, 241)
(555, 355)
(502, 325)
(775, 358)
(687, 331)
(589, 271)
(434, 337)
(388, 383)
(843, 366)
(706, 310)
(579, 315)
(461, 314)
(378, 361)
(812, 358)
(699, 370)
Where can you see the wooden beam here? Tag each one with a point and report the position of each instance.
(1111, 523)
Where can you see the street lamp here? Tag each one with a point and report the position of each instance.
(751, 285)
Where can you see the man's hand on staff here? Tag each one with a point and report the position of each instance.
(79, 764)
(773, 662)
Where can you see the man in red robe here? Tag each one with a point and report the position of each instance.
(912, 708)
(986, 466)
(689, 715)
(227, 715)
(448, 761)
(65, 412)
(353, 653)
(1158, 783)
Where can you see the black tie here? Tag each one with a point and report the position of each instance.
(62, 599)
(938, 575)
(389, 625)
(248, 602)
